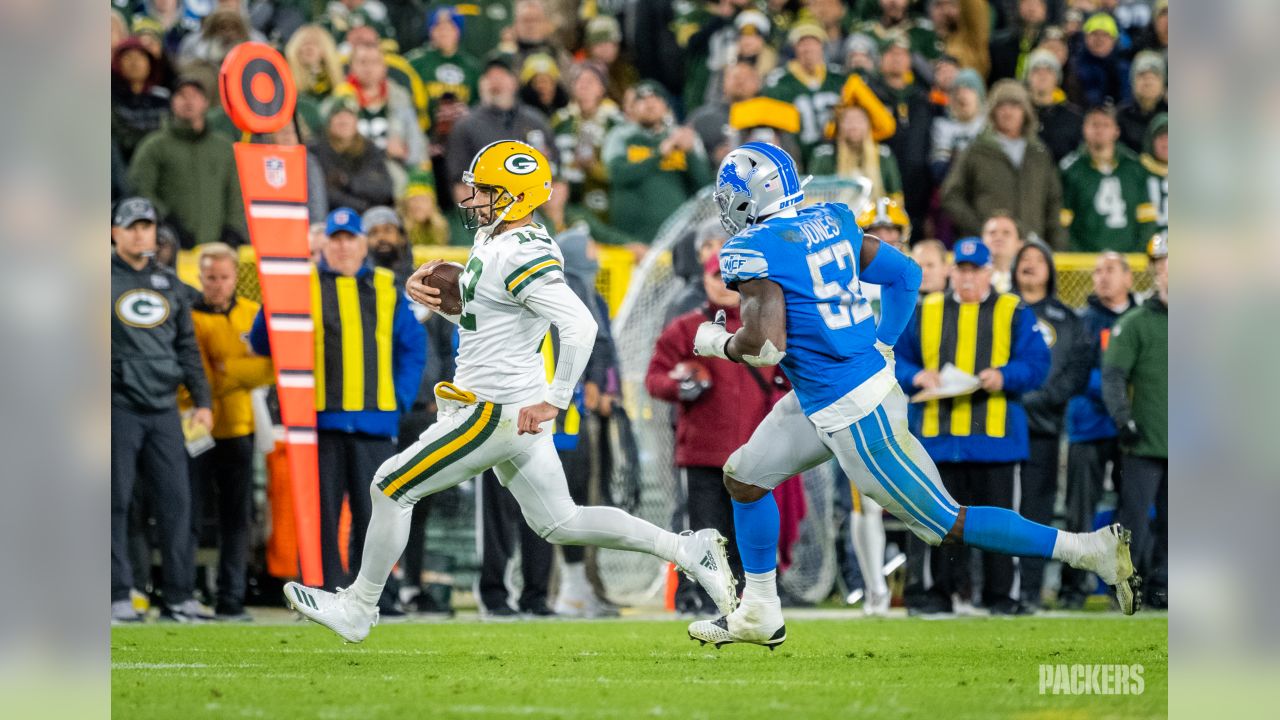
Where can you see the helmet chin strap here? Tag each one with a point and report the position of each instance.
(486, 231)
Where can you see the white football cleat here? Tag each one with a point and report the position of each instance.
(702, 557)
(1110, 559)
(754, 623)
(340, 611)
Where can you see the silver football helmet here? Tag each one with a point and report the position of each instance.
(754, 181)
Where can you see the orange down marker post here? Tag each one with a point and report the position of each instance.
(259, 96)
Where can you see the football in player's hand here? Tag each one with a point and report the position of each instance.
(444, 277)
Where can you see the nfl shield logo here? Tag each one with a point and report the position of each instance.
(275, 172)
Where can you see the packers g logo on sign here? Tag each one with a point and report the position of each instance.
(142, 308)
(520, 164)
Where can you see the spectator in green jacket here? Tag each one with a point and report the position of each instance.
(1135, 388)
(653, 168)
(1006, 167)
(189, 173)
(1104, 190)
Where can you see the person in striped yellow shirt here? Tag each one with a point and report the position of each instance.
(977, 439)
(370, 354)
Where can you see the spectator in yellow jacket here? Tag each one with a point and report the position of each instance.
(222, 319)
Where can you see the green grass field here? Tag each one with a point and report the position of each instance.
(855, 668)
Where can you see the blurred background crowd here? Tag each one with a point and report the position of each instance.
(990, 135)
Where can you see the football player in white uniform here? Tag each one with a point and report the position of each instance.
(498, 411)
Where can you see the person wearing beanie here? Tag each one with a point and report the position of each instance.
(1134, 116)
(862, 55)
(1035, 280)
(1099, 65)
(1155, 160)
(541, 88)
(603, 42)
(420, 209)
(1006, 167)
(1104, 195)
(965, 118)
(388, 245)
(1061, 122)
(449, 74)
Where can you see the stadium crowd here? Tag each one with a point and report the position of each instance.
(991, 133)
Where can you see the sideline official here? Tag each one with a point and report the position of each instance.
(977, 440)
(370, 353)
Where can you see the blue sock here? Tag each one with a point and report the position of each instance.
(756, 525)
(1005, 531)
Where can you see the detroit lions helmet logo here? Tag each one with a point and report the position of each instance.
(729, 176)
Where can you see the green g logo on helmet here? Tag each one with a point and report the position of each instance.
(520, 164)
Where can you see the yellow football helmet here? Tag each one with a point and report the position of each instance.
(518, 171)
(886, 212)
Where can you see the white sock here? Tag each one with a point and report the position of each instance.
(574, 578)
(761, 588)
(609, 527)
(384, 543)
(1071, 547)
(868, 544)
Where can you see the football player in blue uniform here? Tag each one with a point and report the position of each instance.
(799, 275)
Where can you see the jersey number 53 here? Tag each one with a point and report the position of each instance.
(840, 306)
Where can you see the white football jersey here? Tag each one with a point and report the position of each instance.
(499, 339)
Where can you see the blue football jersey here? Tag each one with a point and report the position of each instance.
(831, 332)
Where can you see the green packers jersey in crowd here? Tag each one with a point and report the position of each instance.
(815, 98)
(1105, 210)
(456, 75)
(1157, 194)
(482, 23)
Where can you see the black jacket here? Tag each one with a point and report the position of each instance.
(1134, 121)
(1061, 128)
(153, 343)
(911, 144)
(1069, 345)
(355, 181)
